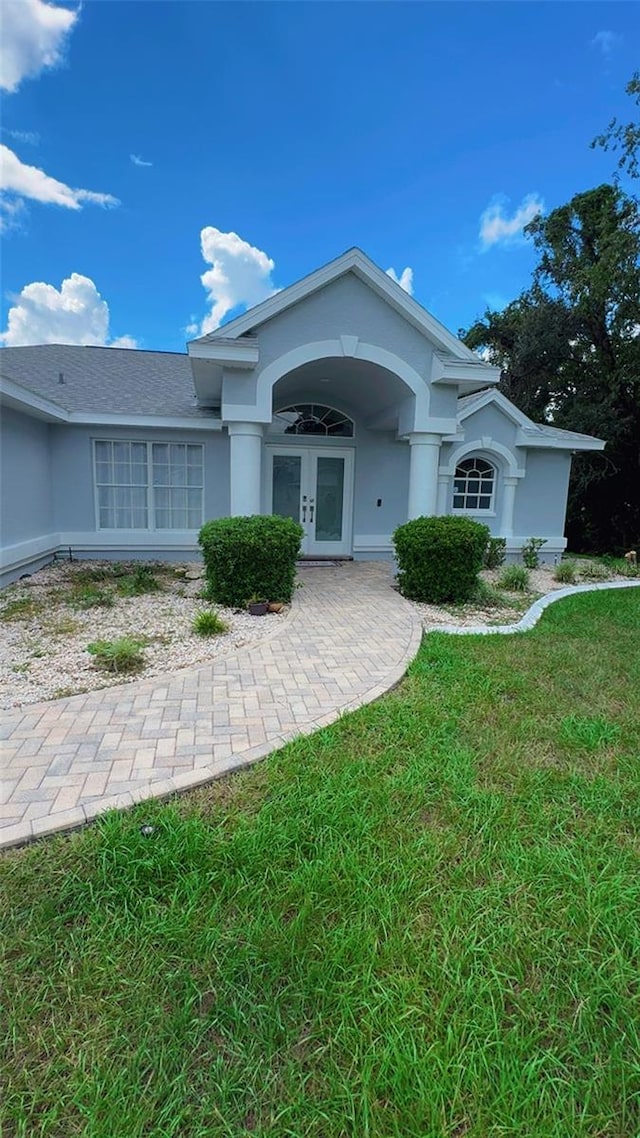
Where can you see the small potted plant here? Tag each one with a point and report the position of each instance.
(256, 606)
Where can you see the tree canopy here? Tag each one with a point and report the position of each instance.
(569, 348)
(625, 137)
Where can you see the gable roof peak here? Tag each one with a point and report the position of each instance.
(352, 260)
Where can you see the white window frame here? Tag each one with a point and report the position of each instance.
(151, 526)
(486, 511)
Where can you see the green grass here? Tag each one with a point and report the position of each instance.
(421, 922)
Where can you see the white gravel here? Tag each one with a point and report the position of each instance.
(45, 656)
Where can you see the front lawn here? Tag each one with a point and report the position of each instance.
(419, 923)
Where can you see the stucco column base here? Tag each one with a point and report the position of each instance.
(245, 466)
(424, 458)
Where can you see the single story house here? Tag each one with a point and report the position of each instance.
(339, 401)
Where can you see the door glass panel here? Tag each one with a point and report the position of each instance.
(329, 496)
(287, 473)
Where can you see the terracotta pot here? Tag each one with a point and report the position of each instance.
(276, 606)
(258, 608)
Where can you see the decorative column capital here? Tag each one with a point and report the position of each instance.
(245, 429)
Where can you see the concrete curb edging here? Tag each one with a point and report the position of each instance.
(533, 614)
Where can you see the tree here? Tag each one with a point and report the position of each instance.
(624, 137)
(570, 352)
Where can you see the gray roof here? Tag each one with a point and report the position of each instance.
(118, 381)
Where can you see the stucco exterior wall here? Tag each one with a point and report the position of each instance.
(26, 507)
(541, 501)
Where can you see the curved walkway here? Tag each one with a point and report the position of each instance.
(349, 638)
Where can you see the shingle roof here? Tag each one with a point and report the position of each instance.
(105, 380)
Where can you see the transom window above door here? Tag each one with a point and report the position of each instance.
(474, 485)
(312, 419)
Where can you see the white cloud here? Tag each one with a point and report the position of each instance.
(34, 36)
(497, 228)
(74, 314)
(405, 280)
(31, 137)
(240, 275)
(138, 161)
(606, 42)
(20, 181)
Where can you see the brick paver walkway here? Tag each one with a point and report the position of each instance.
(348, 639)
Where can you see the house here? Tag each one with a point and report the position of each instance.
(339, 401)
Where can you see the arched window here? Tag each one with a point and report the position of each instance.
(474, 485)
(312, 419)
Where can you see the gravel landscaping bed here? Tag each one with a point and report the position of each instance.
(541, 581)
(44, 634)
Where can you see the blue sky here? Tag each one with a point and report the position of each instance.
(424, 133)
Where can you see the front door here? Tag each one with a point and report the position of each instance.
(314, 486)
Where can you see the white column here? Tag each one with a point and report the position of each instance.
(424, 459)
(508, 502)
(245, 468)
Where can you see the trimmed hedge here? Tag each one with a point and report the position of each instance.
(439, 558)
(250, 556)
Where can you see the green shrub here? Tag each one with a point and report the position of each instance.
(565, 572)
(121, 655)
(439, 558)
(250, 555)
(515, 578)
(206, 622)
(531, 552)
(494, 554)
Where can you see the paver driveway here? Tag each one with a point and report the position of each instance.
(348, 639)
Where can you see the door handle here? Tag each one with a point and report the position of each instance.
(304, 512)
(311, 508)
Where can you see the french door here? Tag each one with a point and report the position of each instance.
(314, 486)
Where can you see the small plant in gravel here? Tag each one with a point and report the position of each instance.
(531, 552)
(593, 571)
(22, 608)
(207, 622)
(91, 597)
(140, 581)
(487, 597)
(99, 573)
(121, 655)
(494, 554)
(566, 572)
(515, 578)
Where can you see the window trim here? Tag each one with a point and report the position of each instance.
(151, 527)
(483, 512)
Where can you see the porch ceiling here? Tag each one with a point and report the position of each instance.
(366, 390)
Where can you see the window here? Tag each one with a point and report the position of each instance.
(312, 419)
(148, 485)
(474, 485)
